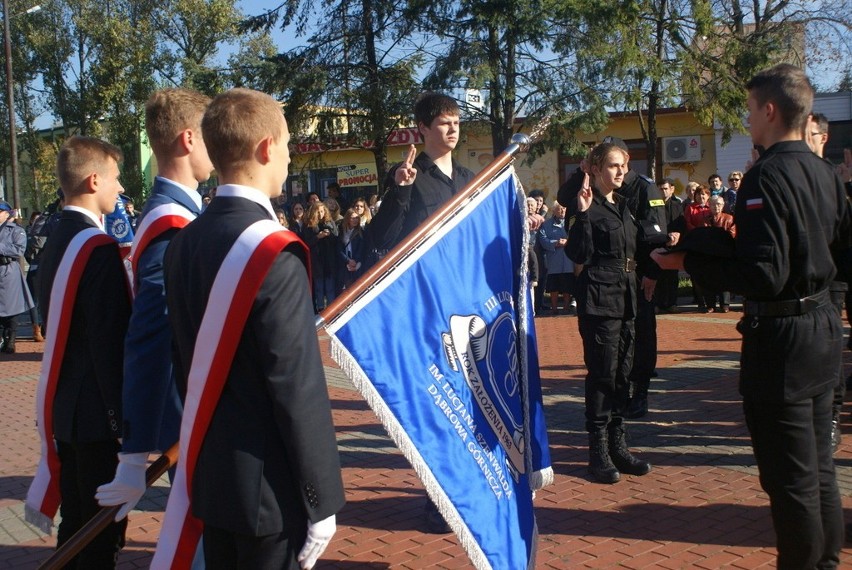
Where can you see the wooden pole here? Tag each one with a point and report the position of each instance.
(105, 516)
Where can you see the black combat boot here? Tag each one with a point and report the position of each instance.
(638, 405)
(622, 458)
(9, 334)
(600, 465)
(835, 429)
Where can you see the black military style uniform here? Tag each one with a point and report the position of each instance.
(406, 207)
(648, 206)
(791, 212)
(603, 240)
(646, 203)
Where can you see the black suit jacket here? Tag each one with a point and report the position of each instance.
(87, 406)
(269, 458)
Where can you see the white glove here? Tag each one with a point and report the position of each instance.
(128, 486)
(319, 535)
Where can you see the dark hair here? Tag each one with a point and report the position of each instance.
(431, 105)
(668, 181)
(822, 121)
(713, 177)
(537, 194)
(601, 151)
(789, 89)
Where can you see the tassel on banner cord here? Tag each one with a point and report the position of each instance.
(38, 519)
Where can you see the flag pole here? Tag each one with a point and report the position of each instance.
(520, 143)
(102, 518)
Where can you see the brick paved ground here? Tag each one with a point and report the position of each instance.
(701, 506)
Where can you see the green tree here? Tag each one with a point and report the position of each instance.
(190, 33)
(25, 71)
(353, 82)
(845, 83)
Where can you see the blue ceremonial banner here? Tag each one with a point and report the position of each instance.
(443, 349)
(117, 224)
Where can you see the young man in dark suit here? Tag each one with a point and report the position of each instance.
(265, 480)
(152, 406)
(85, 411)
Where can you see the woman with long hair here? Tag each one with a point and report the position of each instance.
(603, 240)
(350, 248)
(360, 207)
(297, 219)
(321, 237)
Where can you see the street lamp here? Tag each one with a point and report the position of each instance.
(10, 102)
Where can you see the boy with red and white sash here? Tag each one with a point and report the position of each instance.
(152, 404)
(258, 471)
(85, 299)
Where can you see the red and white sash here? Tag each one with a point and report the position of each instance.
(231, 298)
(43, 496)
(156, 222)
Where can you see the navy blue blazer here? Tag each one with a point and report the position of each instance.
(152, 405)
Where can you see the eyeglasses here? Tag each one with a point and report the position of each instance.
(734, 179)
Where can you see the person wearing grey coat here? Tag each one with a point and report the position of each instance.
(553, 237)
(15, 296)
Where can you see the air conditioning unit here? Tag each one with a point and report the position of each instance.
(682, 149)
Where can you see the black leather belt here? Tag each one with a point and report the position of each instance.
(627, 265)
(788, 308)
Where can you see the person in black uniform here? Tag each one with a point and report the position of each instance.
(421, 185)
(791, 212)
(87, 403)
(667, 284)
(816, 135)
(416, 188)
(602, 238)
(646, 204)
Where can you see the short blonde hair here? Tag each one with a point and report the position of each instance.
(79, 158)
(235, 121)
(169, 112)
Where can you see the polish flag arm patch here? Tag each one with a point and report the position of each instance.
(754, 204)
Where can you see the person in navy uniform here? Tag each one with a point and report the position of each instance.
(152, 405)
(602, 238)
(792, 213)
(15, 296)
